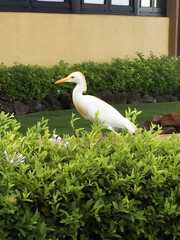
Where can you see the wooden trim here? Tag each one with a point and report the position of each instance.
(173, 14)
(76, 6)
(179, 32)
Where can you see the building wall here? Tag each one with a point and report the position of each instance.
(45, 38)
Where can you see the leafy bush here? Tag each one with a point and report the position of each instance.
(59, 71)
(165, 78)
(131, 76)
(152, 75)
(26, 82)
(4, 79)
(97, 187)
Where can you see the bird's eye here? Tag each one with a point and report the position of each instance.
(72, 76)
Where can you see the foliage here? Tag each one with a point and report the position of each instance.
(97, 75)
(4, 78)
(59, 71)
(164, 77)
(98, 187)
(152, 75)
(26, 82)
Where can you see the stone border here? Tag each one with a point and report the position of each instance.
(64, 101)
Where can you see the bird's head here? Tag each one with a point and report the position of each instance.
(75, 77)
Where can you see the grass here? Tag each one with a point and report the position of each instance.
(60, 120)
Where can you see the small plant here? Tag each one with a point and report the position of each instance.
(132, 114)
(15, 158)
(99, 187)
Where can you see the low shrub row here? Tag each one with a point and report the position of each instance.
(91, 187)
(152, 75)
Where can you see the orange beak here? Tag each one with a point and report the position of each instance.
(62, 80)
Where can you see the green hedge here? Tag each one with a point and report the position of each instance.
(94, 188)
(152, 75)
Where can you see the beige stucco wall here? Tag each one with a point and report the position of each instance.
(45, 38)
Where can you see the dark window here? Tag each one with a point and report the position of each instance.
(51, 5)
(35, 5)
(8, 3)
(152, 7)
(121, 7)
(92, 6)
(108, 6)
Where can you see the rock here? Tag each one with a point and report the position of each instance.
(120, 98)
(148, 99)
(66, 101)
(7, 107)
(177, 94)
(6, 99)
(155, 119)
(178, 129)
(171, 119)
(161, 98)
(54, 103)
(106, 96)
(31, 104)
(132, 98)
(168, 130)
(42, 105)
(173, 98)
(147, 125)
(20, 108)
(170, 123)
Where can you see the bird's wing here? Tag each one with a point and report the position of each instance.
(108, 115)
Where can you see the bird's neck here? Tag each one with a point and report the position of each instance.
(77, 93)
(79, 89)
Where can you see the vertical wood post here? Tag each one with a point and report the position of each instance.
(173, 14)
(136, 7)
(76, 6)
(179, 32)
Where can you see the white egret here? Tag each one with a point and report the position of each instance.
(88, 106)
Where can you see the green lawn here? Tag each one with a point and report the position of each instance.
(60, 120)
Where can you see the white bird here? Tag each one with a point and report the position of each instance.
(88, 106)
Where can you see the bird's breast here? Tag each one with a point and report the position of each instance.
(80, 108)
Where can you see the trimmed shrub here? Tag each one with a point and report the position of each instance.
(152, 75)
(26, 82)
(97, 187)
(131, 76)
(165, 78)
(4, 79)
(59, 71)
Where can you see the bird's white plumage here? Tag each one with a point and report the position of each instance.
(88, 106)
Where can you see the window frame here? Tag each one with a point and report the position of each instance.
(36, 3)
(17, 3)
(92, 7)
(152, 11)
(83, 8)
(51, 6)
(35, 6)
(123, 9)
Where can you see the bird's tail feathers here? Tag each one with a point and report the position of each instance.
(130, 126)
